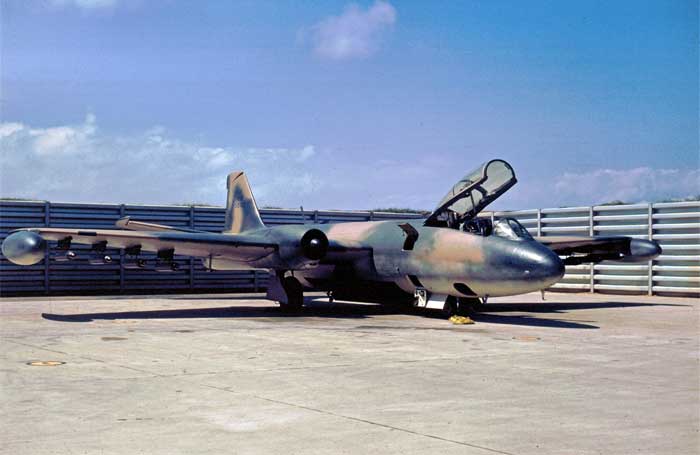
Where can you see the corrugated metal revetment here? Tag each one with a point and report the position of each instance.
(675, 225)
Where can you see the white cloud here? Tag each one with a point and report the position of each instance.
(83, 163)
(628, 185)
(80, 163)
(306, 153)
(356, 33)
(63, 139)
(83, 4)
(8, 129)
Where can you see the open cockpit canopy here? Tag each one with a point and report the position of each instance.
(472, 193)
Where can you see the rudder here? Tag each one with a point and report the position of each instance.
(241, 210)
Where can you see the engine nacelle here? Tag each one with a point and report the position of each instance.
(302, 249)
(24, 248)
(314, 244)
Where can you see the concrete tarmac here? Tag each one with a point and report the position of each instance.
(190, 374)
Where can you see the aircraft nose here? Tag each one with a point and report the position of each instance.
(543, 267)
(516, 267)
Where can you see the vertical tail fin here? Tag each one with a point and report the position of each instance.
(241, 210)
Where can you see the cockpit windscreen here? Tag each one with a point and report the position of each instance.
(510, 228)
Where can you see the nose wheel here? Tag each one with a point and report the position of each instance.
(470, 305)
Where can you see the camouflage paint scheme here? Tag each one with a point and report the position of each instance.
(380, 259)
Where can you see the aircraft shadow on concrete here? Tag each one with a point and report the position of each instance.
(560, 307)
(490, 313)
(315, 307)
(312, 308)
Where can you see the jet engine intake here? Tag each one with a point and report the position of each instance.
(314, 244)
(301, 249)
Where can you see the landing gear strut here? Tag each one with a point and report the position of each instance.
(295, 294)
(461, 306)
(451, 307)
(469, 305)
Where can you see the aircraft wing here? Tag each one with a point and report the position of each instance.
(291, 248)
(200, 244)
(580, 250)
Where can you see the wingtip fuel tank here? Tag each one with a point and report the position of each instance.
(641, 250)
(24, 248)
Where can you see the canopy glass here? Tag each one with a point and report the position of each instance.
(472, 193)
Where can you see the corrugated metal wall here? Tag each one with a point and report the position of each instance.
(54, 277)
(675, 225)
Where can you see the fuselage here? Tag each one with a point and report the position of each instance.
(370, 257)
(440, 260)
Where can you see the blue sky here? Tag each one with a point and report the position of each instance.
(332, 104)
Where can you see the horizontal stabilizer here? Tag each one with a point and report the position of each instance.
(133, 225)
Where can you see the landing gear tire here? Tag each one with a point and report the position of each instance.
(470, 305)
(295, 295)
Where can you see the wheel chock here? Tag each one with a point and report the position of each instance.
(460, 320)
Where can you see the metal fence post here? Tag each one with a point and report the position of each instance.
(191, 258)
(122, 212)
(591, 232)
(650, 264)
(539, 222)
(47, 250)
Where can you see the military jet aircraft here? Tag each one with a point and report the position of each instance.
(448, 261)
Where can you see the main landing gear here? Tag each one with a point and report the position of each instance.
(295, 295)
(287, 291)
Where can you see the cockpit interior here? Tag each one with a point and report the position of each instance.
(508, 228)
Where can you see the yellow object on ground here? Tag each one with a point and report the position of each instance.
(461, 320)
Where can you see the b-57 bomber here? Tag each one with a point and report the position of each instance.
(452, 260)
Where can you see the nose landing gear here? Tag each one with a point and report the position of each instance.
(462, 306)
(471, 305)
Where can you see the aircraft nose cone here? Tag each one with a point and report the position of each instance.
(516, 267)
(24, 248)
(544, 267)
